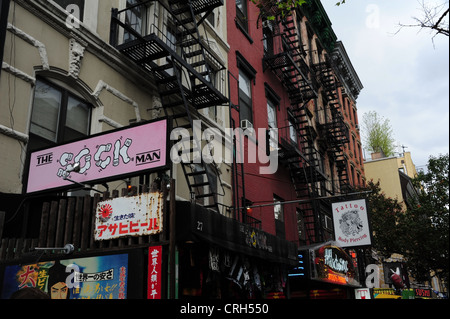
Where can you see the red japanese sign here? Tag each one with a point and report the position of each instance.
(154, 272)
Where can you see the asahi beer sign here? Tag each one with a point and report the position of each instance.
(129, 216)
(100, 158)
(351, 224)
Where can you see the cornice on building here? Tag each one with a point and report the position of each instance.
(346, 71)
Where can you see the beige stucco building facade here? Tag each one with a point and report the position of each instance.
(393, 173)
(71, 53)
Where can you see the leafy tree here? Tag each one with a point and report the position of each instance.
(272, 8)
(384, 214)
(425, 226)
(378, 134)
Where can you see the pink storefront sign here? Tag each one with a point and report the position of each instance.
(100, 158)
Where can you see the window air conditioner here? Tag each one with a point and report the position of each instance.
(246, 124)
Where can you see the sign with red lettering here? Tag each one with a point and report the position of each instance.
(419, 292)
(154, 272)
(351, 223)
(100, 158)
(129, 216)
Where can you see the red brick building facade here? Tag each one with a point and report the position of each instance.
(290, 74)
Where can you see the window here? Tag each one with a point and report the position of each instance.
(212, 77)
(245, 97)
(278, 208)
(292, 132)
(272, 121)
(268, 38)
(279, 217)
(241, 14)
(58, 116)
(66, 3)
(211, 18)
(136, 18)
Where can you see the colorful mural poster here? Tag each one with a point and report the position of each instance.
(101, 277)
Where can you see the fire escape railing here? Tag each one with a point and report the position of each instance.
(184, 69)
(334, 130)
(285, 58)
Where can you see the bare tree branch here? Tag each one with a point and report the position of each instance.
(434, 18)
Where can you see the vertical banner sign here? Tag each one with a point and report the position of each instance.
(154, 272)
(100, 158)
(351, 224)
(129, 216)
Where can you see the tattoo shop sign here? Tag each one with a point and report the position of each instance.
(351, 224)
(129, 216)
(100, 158)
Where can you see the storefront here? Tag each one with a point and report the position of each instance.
(325, 271)
(215, 256)
(220, 257)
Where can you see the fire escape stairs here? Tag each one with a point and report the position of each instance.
(184, 84)
(304, 162)
(336, 132)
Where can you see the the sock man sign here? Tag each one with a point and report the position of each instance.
(100, 158)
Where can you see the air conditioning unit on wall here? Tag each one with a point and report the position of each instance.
(246, 124)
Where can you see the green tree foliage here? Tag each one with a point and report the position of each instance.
(272, 8)
(425, 226)
(384, 214)
(378, 133)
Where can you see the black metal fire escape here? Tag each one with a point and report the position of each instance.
(185, 80)
(334, 129)
(304, 162)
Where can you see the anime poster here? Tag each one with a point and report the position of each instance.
(102, 277)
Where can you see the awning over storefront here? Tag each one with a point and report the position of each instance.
(199, 224)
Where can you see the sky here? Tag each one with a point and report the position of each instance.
(405, 74)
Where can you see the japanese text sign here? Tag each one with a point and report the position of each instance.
(100, 277)
(351, 224)
(154, 272)
(129, 216)
(100, 158)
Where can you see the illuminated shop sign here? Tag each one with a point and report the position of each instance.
(333, 265)
(351, 224)
(101, 277)
(103, 157)
(129, 216)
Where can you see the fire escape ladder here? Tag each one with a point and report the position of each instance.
(191, 43)
(336, 132)
(304, 162)
(184, 79)
(201, 177)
